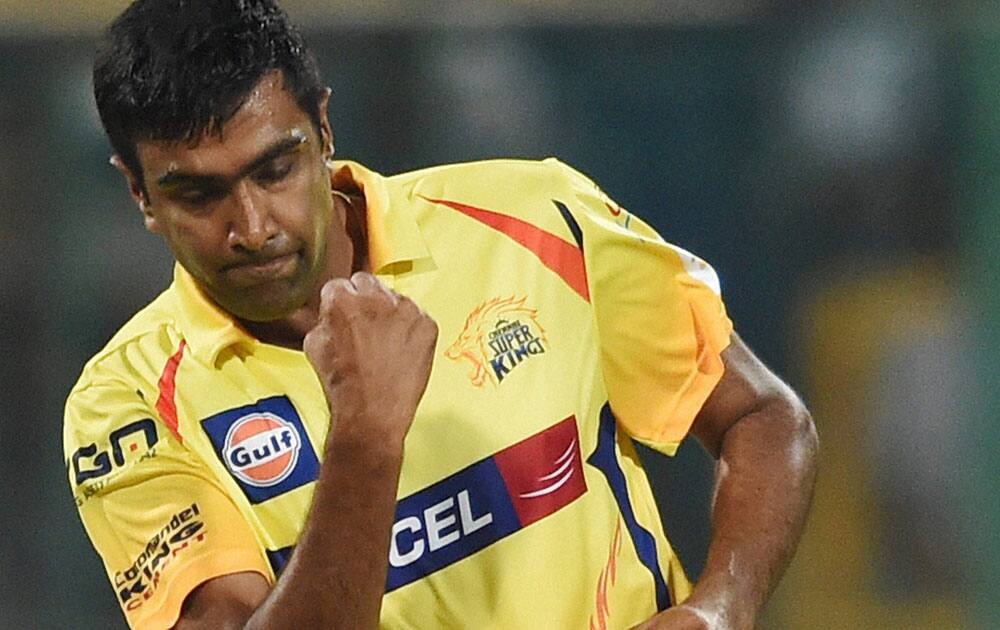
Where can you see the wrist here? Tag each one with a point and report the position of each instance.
(724, 602)
(366, 450)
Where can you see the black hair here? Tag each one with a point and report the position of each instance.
(177, 70)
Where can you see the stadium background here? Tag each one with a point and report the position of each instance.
(840, 167)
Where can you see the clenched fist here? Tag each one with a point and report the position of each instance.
(372, 350)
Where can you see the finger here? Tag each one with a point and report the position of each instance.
(364, 279)
(337, 286)
(370, 284)
(314, 342)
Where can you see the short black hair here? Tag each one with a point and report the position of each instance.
(176, 70)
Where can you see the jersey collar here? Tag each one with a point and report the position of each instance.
(393, 237)
(206, 328)
(393, 234)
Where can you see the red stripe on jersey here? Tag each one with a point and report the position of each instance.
(561, 257)
(544, 472)
(165, 404)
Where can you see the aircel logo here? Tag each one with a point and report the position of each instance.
(481, 504)
(485, 502)
(262, 449)
(444, 522)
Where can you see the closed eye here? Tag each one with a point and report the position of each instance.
(275, 170)
(198, 196)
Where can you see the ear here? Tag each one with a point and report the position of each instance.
(326, 134)
(136, 190)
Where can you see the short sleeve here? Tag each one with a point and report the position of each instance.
(660, 318)
(159, 522)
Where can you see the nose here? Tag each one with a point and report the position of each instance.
(251, 225)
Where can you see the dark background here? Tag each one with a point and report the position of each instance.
(838, 167)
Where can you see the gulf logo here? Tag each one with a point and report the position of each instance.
(261, 449)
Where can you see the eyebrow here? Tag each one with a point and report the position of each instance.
(279, 148)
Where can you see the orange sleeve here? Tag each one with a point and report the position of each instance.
(158, 520)
(660, 317)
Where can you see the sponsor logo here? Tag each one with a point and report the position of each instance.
(499, 335)
(261, 449)
(138, 583)
(134, 441)
(485, 502)
(88, 490)
(621, 217)
(480, 504)
(264, 446)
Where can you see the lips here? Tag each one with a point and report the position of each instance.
(262, 271)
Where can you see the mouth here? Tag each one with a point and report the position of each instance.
(263, 271)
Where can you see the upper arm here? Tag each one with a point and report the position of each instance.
(223, 602)
(746, 387)
(159, 520)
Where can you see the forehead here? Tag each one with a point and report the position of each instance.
(269, 114)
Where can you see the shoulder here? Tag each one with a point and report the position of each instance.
(547, 173)
(125, 373)
(139, 345)
(544, 193)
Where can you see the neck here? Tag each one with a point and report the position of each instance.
(287, 332)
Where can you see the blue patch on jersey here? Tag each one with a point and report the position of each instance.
(574, 227)
(449, 521)
(441, 524)
(265, 447)
(479, 505)
(605, 460)
(279, 558)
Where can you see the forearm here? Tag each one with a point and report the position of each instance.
(765, 474)
(336, 576)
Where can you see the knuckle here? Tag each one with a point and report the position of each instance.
(428, 325)
(310, 344)
(335, 292)
(329, 292)
(364, 280)
(405, 304)
(425, 316)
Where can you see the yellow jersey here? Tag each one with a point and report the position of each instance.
(568, 328)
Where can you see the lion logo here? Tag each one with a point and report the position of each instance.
(499, 335)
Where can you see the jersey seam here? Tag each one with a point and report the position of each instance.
(98, 360)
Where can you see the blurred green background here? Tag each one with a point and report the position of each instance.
(839, 166)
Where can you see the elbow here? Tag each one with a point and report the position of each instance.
(807, 429)
(802, 437)
(784, 423)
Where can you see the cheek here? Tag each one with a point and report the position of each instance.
(314, 211)
(196, 244)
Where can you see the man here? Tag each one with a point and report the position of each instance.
(405, 401)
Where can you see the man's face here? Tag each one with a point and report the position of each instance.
(247, 213)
